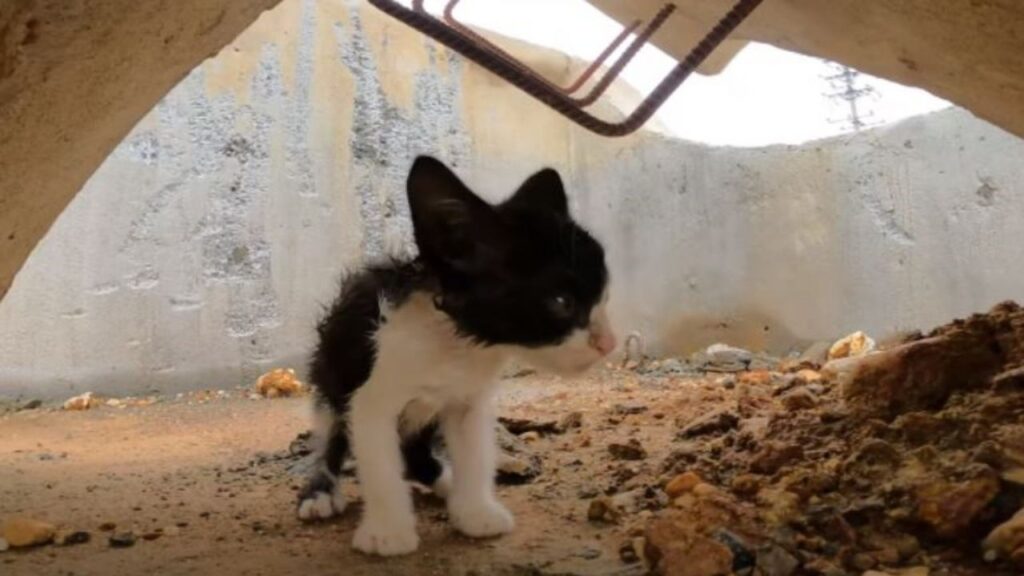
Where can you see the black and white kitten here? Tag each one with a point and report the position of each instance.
(412, 349)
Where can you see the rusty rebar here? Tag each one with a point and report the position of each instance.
(534, 85)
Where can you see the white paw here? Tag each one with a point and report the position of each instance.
(443, 485)
(481, 519)
(383, 539)
(321, 506)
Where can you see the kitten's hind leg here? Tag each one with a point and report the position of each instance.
(321, 497)
(421, 463)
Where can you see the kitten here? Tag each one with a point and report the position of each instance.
(412, 349)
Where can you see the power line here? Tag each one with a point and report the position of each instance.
(844, 82)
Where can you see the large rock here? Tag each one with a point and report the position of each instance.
(921, 375)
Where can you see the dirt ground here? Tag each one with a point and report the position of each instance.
(217, 470)
(900, 463)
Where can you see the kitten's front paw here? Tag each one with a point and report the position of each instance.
(385, 540)
(481, 519)
(320, 506)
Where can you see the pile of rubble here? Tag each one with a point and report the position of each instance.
(905, 459)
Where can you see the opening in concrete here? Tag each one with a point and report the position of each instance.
(791, 395)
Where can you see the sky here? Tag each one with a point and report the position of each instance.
(765, 95)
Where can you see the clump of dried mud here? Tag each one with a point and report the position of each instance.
(902, 461)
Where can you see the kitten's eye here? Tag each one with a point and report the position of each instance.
(562, 305)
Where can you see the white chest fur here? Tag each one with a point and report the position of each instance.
(423, 364)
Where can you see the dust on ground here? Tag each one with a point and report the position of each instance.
(900, 461)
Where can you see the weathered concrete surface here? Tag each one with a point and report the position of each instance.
(899, 227)
(199, 253)
(75, 76)
(201, 250)
(966, 51)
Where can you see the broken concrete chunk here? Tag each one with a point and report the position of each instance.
(24, 532)
(725, 358)
(852, 346)
(279, 383)
(81, 402)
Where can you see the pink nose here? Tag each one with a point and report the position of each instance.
(603, 341)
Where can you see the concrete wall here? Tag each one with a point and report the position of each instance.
(895, 228)
(200, 252)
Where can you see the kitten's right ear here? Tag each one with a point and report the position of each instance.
(454, 228)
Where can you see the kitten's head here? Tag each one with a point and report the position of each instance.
(519, 273)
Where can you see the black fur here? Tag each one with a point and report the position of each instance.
(521, 272)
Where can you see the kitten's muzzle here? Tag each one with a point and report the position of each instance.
(603, 341)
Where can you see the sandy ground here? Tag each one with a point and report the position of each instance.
(216, 470)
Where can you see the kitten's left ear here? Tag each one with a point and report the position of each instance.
(454, 228)
(543, 190)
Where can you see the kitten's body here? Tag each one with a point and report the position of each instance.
(411, 349)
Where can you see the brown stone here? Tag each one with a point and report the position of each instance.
(774, 455)
(799, 399)
(921, 375)
(631, 450)
(747, 484)
(713, 422)
(674, 548)
(1009, 381)
(603, 511)
(1007, 539)
(279, 383)
(951, 508)
(23, 532)
(682, 484)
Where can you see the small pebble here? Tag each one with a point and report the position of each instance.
(122, 540)
(602, 510)
(72, 538)
(629, 409)
(108, 526)
(682, 484)
(531, 436)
